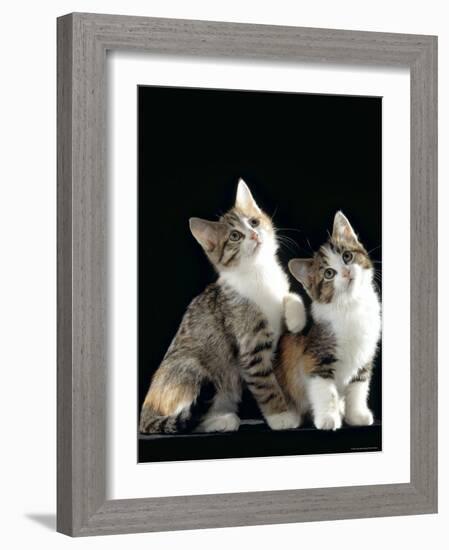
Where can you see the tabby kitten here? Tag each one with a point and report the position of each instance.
(228, 333)
(327, 371)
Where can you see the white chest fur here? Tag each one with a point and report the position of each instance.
(356, 325)
(265, 285)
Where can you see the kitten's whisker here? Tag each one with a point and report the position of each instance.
(373, 249)
(288, 229)
(287, 246)
(289, 250)
(290, 243)
(287, 241)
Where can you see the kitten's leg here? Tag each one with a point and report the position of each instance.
(257, 371)
(325, 402)
(294, 313)
(222, 416)
(357, 412)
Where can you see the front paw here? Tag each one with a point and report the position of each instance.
(287, 420)
(328, 421)
(294, 313)
(363, 417)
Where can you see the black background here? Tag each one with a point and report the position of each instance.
(303, 156)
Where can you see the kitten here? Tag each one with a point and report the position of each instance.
(229, 332)
(327, 371)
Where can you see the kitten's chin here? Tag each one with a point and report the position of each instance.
(255, 250)
(356, 287)
(266, 248)
(261, 252)
(361, 280)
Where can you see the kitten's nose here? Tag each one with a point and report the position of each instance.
(254, 236)
(346, 273)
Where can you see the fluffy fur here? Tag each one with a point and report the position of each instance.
(327, 371)
(228, 334)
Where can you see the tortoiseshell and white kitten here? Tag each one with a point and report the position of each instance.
(228, 333)
(327, 371)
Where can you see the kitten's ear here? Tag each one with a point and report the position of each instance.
(342, 230)
(301, 269)
(244, 201)
(207, 233)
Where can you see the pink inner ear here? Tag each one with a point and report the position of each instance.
(344, 232)
(210, 245)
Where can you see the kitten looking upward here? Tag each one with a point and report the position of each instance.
(229, 333)
(327, 371)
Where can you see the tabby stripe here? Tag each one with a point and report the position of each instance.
(255, 361)
(259, 386)
(235, 349)
(233, 217)
(324, 373)
(162, 423)
(323, 256)
(223, 248)
(260, 326)
(266, 399)
(326, 359)
(363, 374)
(231, 258)
(262, 347)
(260, 374)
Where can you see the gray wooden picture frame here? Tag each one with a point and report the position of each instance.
(83, 40)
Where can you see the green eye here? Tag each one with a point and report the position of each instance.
(329, 273)
(254, 222)
(347, 257)
(235, 236)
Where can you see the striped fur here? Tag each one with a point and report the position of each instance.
(228, 334)
(327, 370)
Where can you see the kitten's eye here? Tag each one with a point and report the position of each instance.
(347, 257)
(329, 273)
(235, 236)
(254, 222)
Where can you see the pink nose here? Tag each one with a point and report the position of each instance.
(254, 236)
(346, 273)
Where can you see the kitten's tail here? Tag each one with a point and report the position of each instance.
(184, 421)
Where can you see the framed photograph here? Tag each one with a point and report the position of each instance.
(247, 288)
(222, 139)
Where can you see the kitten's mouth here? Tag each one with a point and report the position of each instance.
(257, 245)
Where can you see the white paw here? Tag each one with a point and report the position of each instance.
(228, 422)
(363, 417)
(283, 421)
(328, 421)
(294, 312)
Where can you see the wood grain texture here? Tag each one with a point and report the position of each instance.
(64, 276)
(83, 40)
